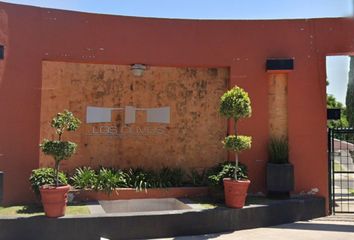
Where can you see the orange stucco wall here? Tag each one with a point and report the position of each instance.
(32, 35)
(191, 139)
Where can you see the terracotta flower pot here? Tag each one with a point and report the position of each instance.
(54, 200)
(235, 192)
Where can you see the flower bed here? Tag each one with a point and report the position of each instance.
(136, 183)
(130, 193)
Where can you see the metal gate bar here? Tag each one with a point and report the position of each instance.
(341, 170)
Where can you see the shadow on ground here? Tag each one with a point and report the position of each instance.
(317, 226)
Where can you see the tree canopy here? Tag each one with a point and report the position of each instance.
(350, 95)
(342, 122)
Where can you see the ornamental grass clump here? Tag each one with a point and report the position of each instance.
(278, 150)
(235, 104)
(61, 150)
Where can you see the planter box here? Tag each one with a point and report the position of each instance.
(130, 193)
(280, 178)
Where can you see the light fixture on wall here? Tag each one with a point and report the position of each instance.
(138, 69)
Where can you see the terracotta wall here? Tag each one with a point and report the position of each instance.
(190, 139)
(31, 35)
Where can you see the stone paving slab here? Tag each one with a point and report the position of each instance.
(333, 227)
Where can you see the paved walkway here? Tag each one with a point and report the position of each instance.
(339, 227)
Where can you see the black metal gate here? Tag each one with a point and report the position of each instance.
(341, 174)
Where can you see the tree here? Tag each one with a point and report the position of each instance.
(236, 104)
(59, 149)
(350, 94)
(342, 122)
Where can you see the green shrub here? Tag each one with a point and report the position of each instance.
(109, 179)
(84, 178)
(58, 149)
(139, 178)
(235, 104)
(163, 178)
(170, 177)
(45, 176)
(225, 170)
(65, 121)
(198, 178)
(237, 143)
(278, 150)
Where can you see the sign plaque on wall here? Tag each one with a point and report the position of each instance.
(102, 124)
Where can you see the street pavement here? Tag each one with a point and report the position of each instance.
(339, 227)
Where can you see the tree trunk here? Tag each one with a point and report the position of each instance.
(236, 165)
(236, 153)
(56, 172)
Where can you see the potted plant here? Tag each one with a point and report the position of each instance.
(235, 104)
(280, 173)
(218, 173)
(54, 196)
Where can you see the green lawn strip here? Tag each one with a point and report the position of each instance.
(207, 202)
(210, 203)
(37, 210)
(337, 167)
(351, 191)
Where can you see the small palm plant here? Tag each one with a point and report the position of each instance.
(59, 149)
(236, 104)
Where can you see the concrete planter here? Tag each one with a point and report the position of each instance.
(280, 178)
(130, 193)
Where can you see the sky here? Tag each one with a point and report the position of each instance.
(337, 75)
(337, 67)
(205, 9)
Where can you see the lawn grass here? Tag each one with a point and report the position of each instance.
(210, 203)
(337, 167)
(351, 191)
(37, 210)
(206, 202)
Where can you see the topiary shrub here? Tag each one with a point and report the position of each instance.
(59, 149)
(236, 104)
(239, 143)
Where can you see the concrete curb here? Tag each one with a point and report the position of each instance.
(161, 224)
